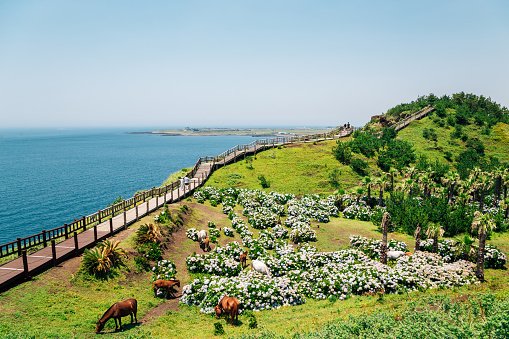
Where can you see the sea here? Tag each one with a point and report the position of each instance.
(53, 176)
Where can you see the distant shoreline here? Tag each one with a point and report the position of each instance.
(254, 132)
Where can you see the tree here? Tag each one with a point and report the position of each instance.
(359, 166)
(434, 231)
(417, 236)
(383, 246)
(342, 152)
(482, 224)
(366, 181)
(397, 154)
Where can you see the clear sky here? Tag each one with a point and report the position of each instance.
(242, 63)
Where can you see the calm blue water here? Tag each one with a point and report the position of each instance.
(50, 177)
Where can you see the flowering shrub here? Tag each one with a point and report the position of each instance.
(228, 232)
(164, 269)
(164, 217)
(302, 232)
(267, 239)
(214, 233)
(452, 250)
(211, 224)
(494, 258)
(280, 232)
(309, 273)
(262, 218)
(192, 234)
(371, 247)
(357, 211)
(221, 261)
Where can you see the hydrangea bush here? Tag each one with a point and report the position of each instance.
(371, 247)
(164, 269)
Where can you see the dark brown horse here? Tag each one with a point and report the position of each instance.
(205, 245)
(167, 285)
(243, 259)
(230, 306)
(117, 311)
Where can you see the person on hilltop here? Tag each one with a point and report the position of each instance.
(186, 180)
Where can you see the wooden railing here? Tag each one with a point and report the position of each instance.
(78, 225)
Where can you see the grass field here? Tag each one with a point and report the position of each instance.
(298, 169)
(61, 303)
(413, 133)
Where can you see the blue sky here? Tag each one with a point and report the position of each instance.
(241, 63)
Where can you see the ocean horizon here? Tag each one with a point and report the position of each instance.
(51, 176)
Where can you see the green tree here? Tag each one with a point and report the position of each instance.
(342, 152)
(482, 224)
(434, 231)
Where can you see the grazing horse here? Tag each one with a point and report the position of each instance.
(205, 244)
(230, 306)
(166, 285)
(117, 311)
(202, 235)
(393, 255)
(259, 266)
(243, 259)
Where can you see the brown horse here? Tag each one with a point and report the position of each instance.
(205, 244)
(243, 259)
(167, 285)
(228, 305)
(117, 311)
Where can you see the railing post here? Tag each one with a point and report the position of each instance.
(157, 201)
(111, 225)
(84, 221)
(54, 252)
(66, 231)
(95, 233)
(137, 217)
(99, 216)
(171, 200)
(25, 263)
(76, 242)
(125, 220)
(44, 238)
(18, 240)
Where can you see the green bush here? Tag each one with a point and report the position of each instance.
(263, 181)
(342, 152)
(218, 328)
(359, 166)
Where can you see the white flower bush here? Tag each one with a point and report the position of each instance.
(221, 261)
(280, 232)
(357, 211)
(309, 273)
(164, 269)
(371, 247)
(214, 233)
(228, 232)
(302, 232)
(192, 234)
(451, 250)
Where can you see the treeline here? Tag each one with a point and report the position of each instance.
(459, 108)
(390, 153)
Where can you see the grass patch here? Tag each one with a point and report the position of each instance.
(298, 169)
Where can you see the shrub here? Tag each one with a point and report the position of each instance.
(263, 181)
(359, 166)
(342, 152)
(141, 263)
(164, 269)
(148, 233)
(100, 260)
(334, 177)
(218, 328)
(151, 251)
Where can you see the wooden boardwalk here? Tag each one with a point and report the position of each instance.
(74, 243)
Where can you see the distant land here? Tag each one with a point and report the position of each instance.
(255, 132)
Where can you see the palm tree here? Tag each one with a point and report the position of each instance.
(366, 181)
(434, 231)
(392, 173)
(383, 246)
(417, 236)
(483, 224)
(450, 180)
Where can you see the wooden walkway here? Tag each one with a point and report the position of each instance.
(53, 253)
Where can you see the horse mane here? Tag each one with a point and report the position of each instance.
(108, 310)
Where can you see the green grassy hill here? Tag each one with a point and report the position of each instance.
(297, 169)
(496, 143)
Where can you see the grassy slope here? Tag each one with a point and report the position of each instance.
(493, 142)
(298, 169)
(72, 305)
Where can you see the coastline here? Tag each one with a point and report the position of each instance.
(253, 132)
